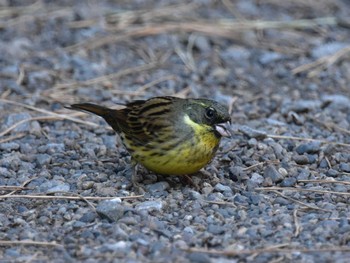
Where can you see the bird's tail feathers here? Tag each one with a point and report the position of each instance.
(96, 109)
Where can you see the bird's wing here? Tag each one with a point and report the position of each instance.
(145, 121)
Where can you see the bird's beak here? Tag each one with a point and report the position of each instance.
(223, 129)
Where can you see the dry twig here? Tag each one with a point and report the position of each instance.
(301, 190)
(330, 125)
(51, 113)
(14, 137)
(296, 223)
(232, 253)
(283, 137)
(61, 197)
(22, 186)
(321, 63)
(296, 201)
(261, 163)
(220, 203)
(324, 182)
(29, 243)
(223, 28)
(112, 76)
(13, 188)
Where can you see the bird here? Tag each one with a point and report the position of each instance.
(167, 135)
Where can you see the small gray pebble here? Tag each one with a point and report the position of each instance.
(252, 142)
(332, 173)
(312, 158)
(112, 210)
(241, 199)
(11, 161)
(283, 171)
(87, 185)
(312, 147)
(26, 148)
(257, 178)
(336, 102)
(289, 182)
(237, 173)
(9, 146)
(236, 53)
(88, 217)
(255, 199)
(195, 195)
(55, 147)
(12, 253)
(293, 117)
(268, 57)
(252, 133)
(199, 258)
(300, 106)
(39, 79)
(222, 188)
(128, 220)
(271, 172)
(109, 141)
(158, 187)
(43, 159)
(87, 235)
(75, 224)
(278, 150)
(42, 149)
(59, 188)
(345, 167)
(301, 159)
(188, 230)
(216, 229)
(44, 220)
(323, 164)
(150, 205)
(4, 172)
(120, 246)
(281, 201)
(325, 49)
(13, 118)
(207, 190)
(202, 43)
(303, 175)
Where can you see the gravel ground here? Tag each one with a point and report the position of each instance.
(277, 191)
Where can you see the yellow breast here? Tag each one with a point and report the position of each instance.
(185, 158)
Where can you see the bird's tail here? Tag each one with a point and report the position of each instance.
(115, 118)
(96, 109)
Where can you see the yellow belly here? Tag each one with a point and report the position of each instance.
(185, 158)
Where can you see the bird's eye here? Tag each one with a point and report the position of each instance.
(210, 113)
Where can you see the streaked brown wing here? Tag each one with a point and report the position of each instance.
(146, 120)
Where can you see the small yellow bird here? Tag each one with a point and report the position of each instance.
(168, 135)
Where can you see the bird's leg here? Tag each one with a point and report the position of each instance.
(188, 180)
(135, 180)
(206, 173)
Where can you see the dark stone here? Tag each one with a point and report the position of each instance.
(112, 210)
(271, 172)
(43, 159)
(312, 147)
(301, 159)
(289, 182)
(199, 258)
(323, 163)
(216, 229)
(345, 167)
(252, 133)
(332, 173)
(88, 217)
